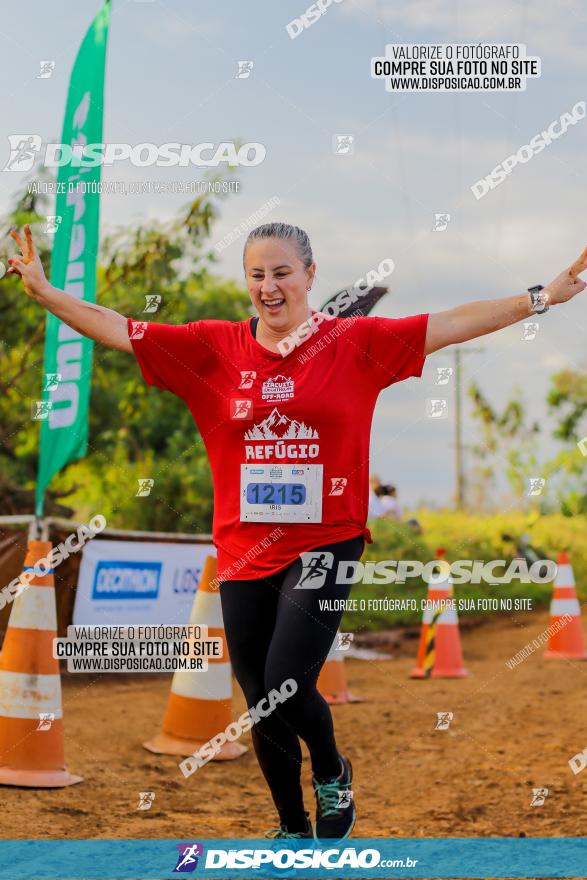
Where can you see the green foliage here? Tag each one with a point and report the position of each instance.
(466, 536)
(509, 441)
(21, 353)
(568, 396)
(135, 431)
(568, 399)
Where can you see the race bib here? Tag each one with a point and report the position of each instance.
(281, 493)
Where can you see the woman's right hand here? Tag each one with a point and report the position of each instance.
(28, 265)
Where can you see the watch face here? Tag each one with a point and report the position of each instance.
(539, 305)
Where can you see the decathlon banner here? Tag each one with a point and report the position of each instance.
(124, 582)
(68, 355)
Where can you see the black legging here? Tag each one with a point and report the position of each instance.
(275, 632)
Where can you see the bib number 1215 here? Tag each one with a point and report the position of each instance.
(281, 493)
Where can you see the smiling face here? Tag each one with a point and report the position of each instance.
(278, 284)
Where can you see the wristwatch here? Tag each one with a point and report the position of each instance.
(539, 300)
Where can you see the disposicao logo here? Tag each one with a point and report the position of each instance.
(187, 860)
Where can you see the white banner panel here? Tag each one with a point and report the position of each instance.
(123, 582)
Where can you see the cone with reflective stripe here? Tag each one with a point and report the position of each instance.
(566, 639)
(31, 718)
(439, 650)
(200, 702)
(332, 682)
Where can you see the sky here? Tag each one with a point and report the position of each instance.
(171, 77)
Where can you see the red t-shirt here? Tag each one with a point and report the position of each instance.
(287, 437)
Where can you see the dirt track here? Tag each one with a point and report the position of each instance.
(512, 731)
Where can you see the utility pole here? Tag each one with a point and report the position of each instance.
(459, 476)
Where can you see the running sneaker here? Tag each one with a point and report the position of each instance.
(283, 831)
(335, 807)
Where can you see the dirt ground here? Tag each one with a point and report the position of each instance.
(512, 731)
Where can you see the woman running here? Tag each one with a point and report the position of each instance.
(284, 402)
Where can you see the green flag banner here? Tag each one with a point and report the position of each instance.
(67, 366)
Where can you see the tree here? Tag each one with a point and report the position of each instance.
(135, 431)
(567, 398)
(509, 442)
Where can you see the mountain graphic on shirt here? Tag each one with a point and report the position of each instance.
(278, 427)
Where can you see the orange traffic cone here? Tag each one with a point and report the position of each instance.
(567, 639)
(332, 682)
(31, 718)
(439, 650)
(200, 702)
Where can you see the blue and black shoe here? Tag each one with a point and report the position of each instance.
(335, 807)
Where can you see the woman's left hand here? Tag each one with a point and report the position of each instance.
(566, 285)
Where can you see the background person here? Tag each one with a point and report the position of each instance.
(393, 509)
(389, 503)
(375, 507)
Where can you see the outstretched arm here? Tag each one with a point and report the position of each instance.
(486, 316)
(96, 322)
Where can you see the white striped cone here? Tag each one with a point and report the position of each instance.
(200, 702)
(32, 753)
(332, 683)
(567, 639)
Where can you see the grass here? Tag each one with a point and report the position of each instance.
(464, 536)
